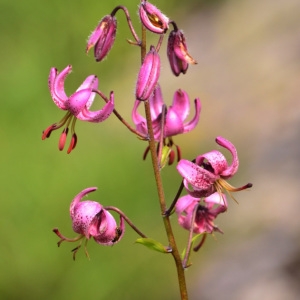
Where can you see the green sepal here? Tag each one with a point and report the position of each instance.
(153, 245)
(192, 244)
(164, 156)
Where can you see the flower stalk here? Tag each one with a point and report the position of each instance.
(160, 190)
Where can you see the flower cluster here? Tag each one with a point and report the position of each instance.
(204, 178)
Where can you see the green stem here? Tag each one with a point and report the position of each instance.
(160, 190)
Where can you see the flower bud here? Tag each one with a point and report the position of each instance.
(152, 18)
(103, 37)
(178, 55)
(148, 75)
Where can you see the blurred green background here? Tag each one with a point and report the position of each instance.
(248, 79)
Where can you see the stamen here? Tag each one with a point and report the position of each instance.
(63, 238)
(62, 139)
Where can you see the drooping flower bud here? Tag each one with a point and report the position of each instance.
(152, 18)
(103, 37)
(148, 75)
(178, 55)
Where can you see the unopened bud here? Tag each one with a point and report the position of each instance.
(178, 55)
(152, 18)
(103, 37)
(148, 75)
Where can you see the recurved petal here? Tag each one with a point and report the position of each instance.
(56, 83)
(232, 169)
(108, 229)
(91, 82)
(184, 210)
(78, 197)
(216, 198)
(139, 120)
(174, 123)
(181, 104)
(198, 177)
(156, 102)
(216, 160)
(77, 102)
(99, 115)
(193, 123)
(85, 213)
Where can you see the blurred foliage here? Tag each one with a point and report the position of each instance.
(38, 182)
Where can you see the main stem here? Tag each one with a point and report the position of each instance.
(160, 190)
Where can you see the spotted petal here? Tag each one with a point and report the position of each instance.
(232, 169)
(97, 116)
(56, 83)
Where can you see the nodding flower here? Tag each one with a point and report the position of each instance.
(174, 121)
(77, 105)
(91, 219)
(209, 172)
(205, 214)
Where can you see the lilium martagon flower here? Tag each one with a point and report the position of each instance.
(77, 105)
(210, 171)
(91, 220)
(175, 118)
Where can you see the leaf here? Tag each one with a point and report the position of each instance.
(153, 245)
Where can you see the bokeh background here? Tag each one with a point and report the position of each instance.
(248, 79)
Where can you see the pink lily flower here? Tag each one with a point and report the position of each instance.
(77, 105)
(205, 215)
(90, 219)
(209, 172)
(174, 120)
(175, 116)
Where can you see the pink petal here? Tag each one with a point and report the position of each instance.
(193, 123)
(216, 159)
(232, 169)
(174, 124)
(107, 229)
(77, 102)
(216, 198)
(78, 197)
(56, 85)
(99, 115)
(91, 82)
(181, 104)
(195, 175)
(156, 102)
(84, 215)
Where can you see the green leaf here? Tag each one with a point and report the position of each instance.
(153, 245)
